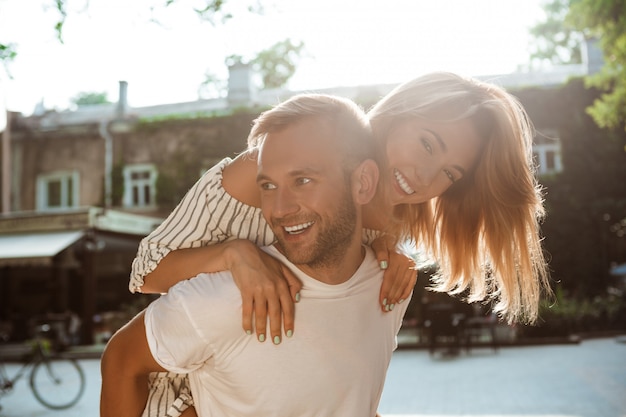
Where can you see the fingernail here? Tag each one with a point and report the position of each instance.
(289, 333)
(297, 297)
(391, 306)
(383, 264)
(386, 307)
(261, 337)
(400, 301)
(248, 332)
(276, 340)
(385, 302)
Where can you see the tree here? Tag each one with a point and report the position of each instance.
(8, 53)
(568, 23)
(213, 86)
(277, 64)
(89, 98)
(555, 42)
(213, 11)
(605, 20)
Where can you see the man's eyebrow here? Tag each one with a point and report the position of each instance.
(308, 171)
(441, 142)
(261, 177)
(302, 172)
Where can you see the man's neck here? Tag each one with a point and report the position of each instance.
(337, 272)
(376, 214)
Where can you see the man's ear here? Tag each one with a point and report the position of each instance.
(365, 181)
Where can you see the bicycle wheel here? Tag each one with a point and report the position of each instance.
(57, 383)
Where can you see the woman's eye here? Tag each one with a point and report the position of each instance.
(450, 176)
(427, 146)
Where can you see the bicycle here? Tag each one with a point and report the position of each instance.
(57, 382)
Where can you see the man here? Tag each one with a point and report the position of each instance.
(315, 174)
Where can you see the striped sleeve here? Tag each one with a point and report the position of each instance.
(206, 215)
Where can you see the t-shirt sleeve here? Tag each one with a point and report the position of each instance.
(176, 342)
(191, 224)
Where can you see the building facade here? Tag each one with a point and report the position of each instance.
(81, 188)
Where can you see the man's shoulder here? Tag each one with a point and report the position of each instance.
(206, 286)
(369, 267)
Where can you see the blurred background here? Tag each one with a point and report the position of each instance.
(110, 110)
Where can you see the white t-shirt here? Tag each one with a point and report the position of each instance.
(333, 365)
(207, 215)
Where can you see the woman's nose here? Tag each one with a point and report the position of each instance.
(427, 175)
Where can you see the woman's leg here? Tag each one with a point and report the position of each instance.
(190, 412)
(169, 396)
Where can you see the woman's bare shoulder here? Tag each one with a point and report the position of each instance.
(239, 179)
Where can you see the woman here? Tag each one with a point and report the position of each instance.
(457, 179)
(482, 228)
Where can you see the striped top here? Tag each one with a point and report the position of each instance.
(206, 215)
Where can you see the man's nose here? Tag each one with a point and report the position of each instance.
(285, 203)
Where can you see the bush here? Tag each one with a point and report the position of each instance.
(565, 316)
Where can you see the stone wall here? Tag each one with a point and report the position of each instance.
(190, 145)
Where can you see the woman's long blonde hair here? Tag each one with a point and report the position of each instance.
(483, 231)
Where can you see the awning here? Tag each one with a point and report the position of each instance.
(35, 248)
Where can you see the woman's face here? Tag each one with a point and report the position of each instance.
(426, 158)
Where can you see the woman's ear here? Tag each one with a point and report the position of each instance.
(365, 181)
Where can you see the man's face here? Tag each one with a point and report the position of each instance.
(305, 196)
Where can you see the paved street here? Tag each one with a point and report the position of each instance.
(585, 380)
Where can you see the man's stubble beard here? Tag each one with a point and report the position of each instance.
(332, 240)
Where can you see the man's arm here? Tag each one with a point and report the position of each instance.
(126, 363)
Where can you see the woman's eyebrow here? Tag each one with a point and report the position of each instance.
(442, 144)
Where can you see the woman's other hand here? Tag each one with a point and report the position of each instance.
(400, 273)
(268, 290)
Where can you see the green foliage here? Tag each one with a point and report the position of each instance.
(605, 20)
(558, 40)
(58, 27)
(175, 178)
(90, 98)
(554, 41)
(585, 200)
(277, 64)
(8, 53)
(212, 86)
(566, 315)
(212, 11)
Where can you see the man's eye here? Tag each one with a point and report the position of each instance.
(302, 181)
(268, 186)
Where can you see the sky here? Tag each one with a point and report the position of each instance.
(164, 52)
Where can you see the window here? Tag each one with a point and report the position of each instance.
(57, 191)
(547, 152)
(140, 185)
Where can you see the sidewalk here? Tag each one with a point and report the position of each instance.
(408, 338)
(587, 379)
